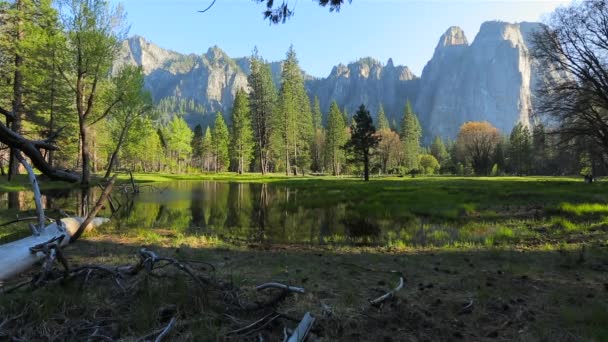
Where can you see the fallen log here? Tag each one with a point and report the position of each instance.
(16, 257)
(302, 330)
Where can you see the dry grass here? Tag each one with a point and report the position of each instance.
(552, 293)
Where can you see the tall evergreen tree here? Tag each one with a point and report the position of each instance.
(178, 137)
(197, 146)
(242, 134)
(335, 139)
(318, 139)
(221, 139)
(363, 139)
(541, 149)
(411, 132)
(520, 149)
(382, 120)
(293, 126)
(262, 103)
(208, 155)
(439, 151)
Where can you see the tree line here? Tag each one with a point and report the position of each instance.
(67, 107)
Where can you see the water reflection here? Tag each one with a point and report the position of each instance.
(251, 212)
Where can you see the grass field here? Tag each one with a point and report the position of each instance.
(538, 273)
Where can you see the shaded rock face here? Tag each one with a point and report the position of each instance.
(367, 82)
(490, 80)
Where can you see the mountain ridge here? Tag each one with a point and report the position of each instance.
(492, 78)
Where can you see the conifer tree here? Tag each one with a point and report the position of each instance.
(439, 151)
(318, 137)
(363, 139)
(242, 134)
(410, 133)
(262, 103)
(208, 155)
(221, 139)
(382, 120)
(520, 149)
(197, 146)
(293, 126)
(335, 139)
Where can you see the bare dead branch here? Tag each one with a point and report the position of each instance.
(389, 294)
(280, 286)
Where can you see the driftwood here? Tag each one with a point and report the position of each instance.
(166, 331)
(16, 257)
(389, 294)
(280, 286)
(45, 243)
(301, 332)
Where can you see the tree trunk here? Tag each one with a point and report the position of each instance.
(86, 156)
(13, 165)
(366, 165)
(16, 257)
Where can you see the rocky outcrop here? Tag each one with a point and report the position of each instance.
(367, 82)
(211, 79)
(490, 80)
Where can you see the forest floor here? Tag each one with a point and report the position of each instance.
(541, 277)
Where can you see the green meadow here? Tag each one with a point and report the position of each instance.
(496, 258)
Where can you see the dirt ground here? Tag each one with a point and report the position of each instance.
(522, 293)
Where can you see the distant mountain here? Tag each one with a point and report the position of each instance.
(491, 79)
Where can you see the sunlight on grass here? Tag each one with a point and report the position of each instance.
(584, 208)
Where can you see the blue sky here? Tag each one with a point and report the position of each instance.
(406, 30)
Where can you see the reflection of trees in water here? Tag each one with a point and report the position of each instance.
(259, 212)
(239, 222)
(219, 204)
(197, 204)
(252, 211)
(360, 228)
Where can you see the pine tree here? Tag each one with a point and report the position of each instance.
(540, 148)
(439, 151)
(179, 138)
(262, 103)
(520, 149)
(242, 134)
(221, 139)
(208, 155)
(318, 137)
(335, 139)
(411, 132)
(197, 146)
(363, 139)
(382, 120)
(293, 126)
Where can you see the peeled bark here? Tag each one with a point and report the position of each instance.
(16, 257)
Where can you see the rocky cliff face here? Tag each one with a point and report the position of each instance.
(367, 82)
(490, 80)
(211, 79)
